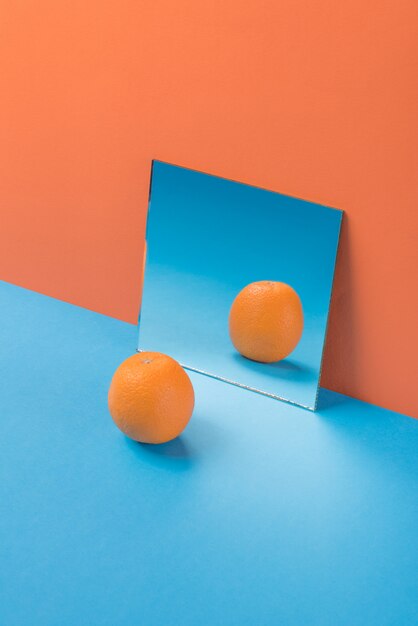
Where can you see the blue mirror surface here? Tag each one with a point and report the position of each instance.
(209, 237)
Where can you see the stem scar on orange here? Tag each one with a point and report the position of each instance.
(151, 398)
(266, 321)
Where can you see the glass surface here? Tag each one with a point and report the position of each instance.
(207, 238)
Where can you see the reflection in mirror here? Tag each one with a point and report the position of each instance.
(238, 281)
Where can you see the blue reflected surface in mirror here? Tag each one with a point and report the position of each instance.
(207, 238)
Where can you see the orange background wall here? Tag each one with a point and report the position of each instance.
(313, 98)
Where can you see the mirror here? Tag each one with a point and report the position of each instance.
(207, 239)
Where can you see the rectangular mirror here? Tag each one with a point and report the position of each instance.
(207, 239)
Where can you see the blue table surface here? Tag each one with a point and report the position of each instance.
(262, 513)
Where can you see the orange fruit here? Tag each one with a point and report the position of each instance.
(266, 321)
(151, 398)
